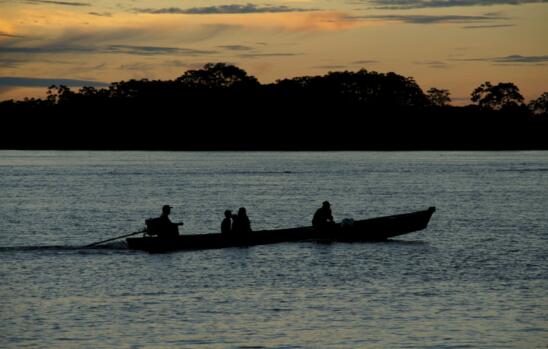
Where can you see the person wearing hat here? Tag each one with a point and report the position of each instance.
(323, 217)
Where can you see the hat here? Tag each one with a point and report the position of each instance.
(166, 207)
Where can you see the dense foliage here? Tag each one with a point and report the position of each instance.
(222, 107)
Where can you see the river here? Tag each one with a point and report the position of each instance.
(477, 277)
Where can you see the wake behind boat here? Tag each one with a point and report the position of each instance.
(373, 229)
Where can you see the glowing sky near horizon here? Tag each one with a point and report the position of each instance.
(451, 44)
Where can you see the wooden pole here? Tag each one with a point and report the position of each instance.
(116, 238)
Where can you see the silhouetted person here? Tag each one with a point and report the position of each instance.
(226, 225)
(162, 226)
(323, 218)
(241, 224)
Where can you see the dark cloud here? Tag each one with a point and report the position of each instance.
(95, 40)
(115, 41)
(521, 59)
(408, 4)
(15, 62)
(47, 49)
(154, 50)
(223, 9)
(433, 64)
(434, 19)
(487, 26)
(507, 59)
(100, 14)
(64, 3)
(10, 35)
(37, 82)
(114, 49)
(236, 47)
(257, 55)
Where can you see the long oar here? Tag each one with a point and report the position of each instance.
(116, 238)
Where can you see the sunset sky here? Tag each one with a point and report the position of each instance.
(456, 45)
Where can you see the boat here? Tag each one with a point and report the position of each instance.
(373, 229)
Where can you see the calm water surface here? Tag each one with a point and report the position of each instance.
(476, 278)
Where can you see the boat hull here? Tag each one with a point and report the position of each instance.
(374, 229)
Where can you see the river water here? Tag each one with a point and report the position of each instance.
(477, 277)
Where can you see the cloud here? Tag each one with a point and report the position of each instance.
(154, 50)
(488, 26)
(224, 9)
(259, 55)
(409, 4)
(433, 64)
(100, 14)
(10, 35)
(435, 19)
(155, 65)
(64, 3)
(15, 81)
(113, 49)
(507, 59)
(250, 52)
(46, 49)
(236, 47)
(521, 59)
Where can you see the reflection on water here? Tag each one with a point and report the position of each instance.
(477, 277)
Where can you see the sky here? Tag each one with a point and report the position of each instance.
(449, 44)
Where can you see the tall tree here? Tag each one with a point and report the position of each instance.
(539, 106)
(497, 97)
(438, 97)
(217, 75)
(59, 94)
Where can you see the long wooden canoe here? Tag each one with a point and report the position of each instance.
(373, 229)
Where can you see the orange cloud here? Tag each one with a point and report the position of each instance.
(32, 20)
(6, 29)
(292, 21)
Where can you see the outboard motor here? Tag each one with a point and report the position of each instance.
(153, 226)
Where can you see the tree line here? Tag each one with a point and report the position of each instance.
(222, 107)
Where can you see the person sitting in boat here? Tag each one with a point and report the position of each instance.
(226, 225)
(323, 218)
(163, 226)
(240, 222)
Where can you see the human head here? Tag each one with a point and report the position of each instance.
(228, 213)
(326, 204)
(166, 209)
(242, 212)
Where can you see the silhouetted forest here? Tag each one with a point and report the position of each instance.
(222, 107)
